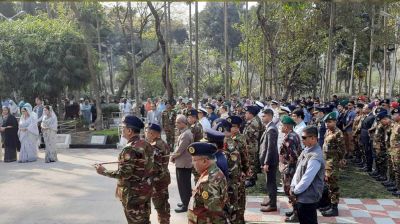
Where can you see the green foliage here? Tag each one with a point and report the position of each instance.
(108, 109)
(41, 56)
(112, 135)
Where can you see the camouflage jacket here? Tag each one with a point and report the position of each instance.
(252, 133)
(261, 127)
(290, 149)
(209, 198)
(380, 138)
(333, 147)
(357, 124)
(232, 154)
(161, 159)
(168, 118)
(239, 142)
(135, 170)
(395, 139)
(197, 131)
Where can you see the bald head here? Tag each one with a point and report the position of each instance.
(181, 121)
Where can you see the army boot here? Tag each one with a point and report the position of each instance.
(333, 211)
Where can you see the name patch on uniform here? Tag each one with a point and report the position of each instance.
(204, 195)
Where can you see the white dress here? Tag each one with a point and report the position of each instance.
(49, 130)
(28, 139)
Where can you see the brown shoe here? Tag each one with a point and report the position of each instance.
(265, 203)
(269, 209)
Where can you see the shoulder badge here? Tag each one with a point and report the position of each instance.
(191, 150)
(229, 120)
(233, 157)
(204, 194)
(127, 156)
(220, 129)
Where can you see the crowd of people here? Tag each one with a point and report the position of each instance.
(225, 143)
(23, 129)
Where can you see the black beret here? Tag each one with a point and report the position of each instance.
(234, 120)
(223, 125)
(134, 122)
(252, 109)
(214, 136)
(154, 127)
(192, 112)
(202, 149)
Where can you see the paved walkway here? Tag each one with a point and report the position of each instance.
(71, 192)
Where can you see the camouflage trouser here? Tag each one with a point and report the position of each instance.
(253, 162)
(242, 203)
(381, 162)
(390, 166)
(137, 211)
(348, 142)
(287, 174)
(395, 156)
(170, 135)
(358, 152)
(233, 195)
(331, 180)
(160, 198)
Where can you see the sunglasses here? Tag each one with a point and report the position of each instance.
(305, 137)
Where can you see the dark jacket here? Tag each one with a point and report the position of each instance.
(365, 125)
(269, 146)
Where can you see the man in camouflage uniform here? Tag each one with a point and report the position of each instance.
(252, 134)
(161, 177)
(209, 196)
(288, 154)
(168, 118)
(395, 149)
(358, 152)
(134, 173)
(235, 180)
(333, 150)
(379, 144)
(195, 126)
(238, 141)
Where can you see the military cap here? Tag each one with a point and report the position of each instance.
(287, 120)
(321, 109)
(192, 112)
(386, 101)
(202, 110)
(209, 105)
(274, 102)
(190, 99)
(154, 127)
(382, 115)
(259, 104)
(214, 136)
(371, 105)
(344, 102)
(285, 109)
(202, 149)
(234, 120)
(223, 125)
(134, 122)
(378, 110)
(252, 109)
(395, 111)
(360, 105)
(332, 116)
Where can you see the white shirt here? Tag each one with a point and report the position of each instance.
(205, 123)
(299, 130)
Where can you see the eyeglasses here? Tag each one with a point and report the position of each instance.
(305, 137)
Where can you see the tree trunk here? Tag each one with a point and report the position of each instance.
(329, 54)
(190, 52)
(371, 50)
(166, 58)
(226, 50)
(196, 83)
(380, 79)
(89, 50)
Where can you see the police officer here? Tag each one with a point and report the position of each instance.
(161, 176)
(333, 150)
(168, 118)
(210, 193)
(134, 173)
(252, 134)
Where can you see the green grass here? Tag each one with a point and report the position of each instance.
(353, 184)
(113, 131)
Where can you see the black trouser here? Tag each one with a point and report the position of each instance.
(271, 184)
(307, 213)
(368, 155)
(183, 178)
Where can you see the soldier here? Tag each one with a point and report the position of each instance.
(391, 184)
(194, 124)
(333, 150)
(238, 141)
(234, 179)
(288, 154)
(379, 144)
(358, 153)
(161, 177)
(168, 118)
(134, 173)
(395, 149)
(252, 134)
(210, 193)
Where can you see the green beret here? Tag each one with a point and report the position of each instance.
(344, 102)
(287, 120)
(331, 116)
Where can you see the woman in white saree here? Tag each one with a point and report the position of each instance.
(49, 130)
(28, 134)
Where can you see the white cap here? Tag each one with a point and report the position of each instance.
(202, 110)
(285, 109)
(274, 102)
(258, 103)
